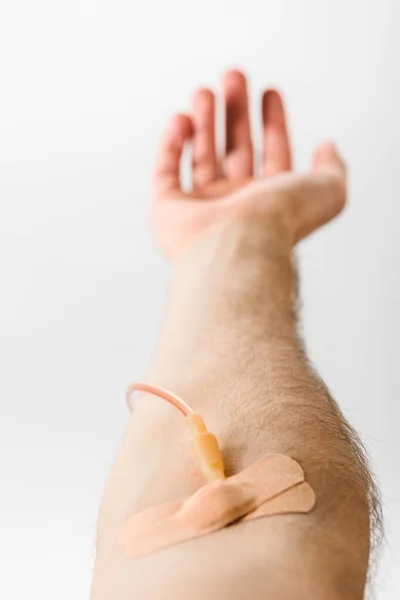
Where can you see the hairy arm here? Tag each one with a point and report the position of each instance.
(230, 347)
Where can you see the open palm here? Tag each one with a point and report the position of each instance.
(227, 187)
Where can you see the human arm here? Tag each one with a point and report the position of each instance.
(230, 346)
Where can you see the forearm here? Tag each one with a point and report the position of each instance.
(230, 347)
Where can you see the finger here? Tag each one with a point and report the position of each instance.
(328, 160)
(277, 155)
(320, 196)
(331, 169)
(238, 163)
(167, 173)
(205, 166)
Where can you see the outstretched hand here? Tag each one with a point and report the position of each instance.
(228, 187)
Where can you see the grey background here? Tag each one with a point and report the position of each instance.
(85, 89)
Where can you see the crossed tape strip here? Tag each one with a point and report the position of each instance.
(273, 485)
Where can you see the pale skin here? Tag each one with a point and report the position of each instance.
(230, 347)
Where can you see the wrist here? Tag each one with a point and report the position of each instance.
(231, 297)
(238, 270)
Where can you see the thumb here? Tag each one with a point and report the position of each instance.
(328, 160)
(321, 195)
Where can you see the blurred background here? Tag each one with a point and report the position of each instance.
(86, 87)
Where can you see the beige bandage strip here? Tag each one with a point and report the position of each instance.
(298, 499)
(216, 505)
